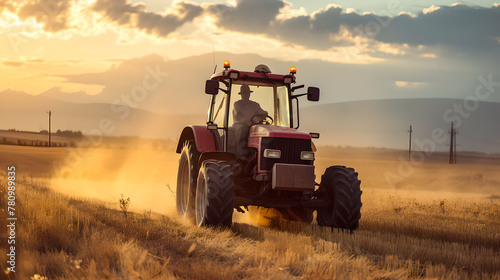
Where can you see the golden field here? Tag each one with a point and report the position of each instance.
(440, 222)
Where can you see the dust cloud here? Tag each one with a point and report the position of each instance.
(146, 174)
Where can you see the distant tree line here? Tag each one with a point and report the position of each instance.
(65, 133)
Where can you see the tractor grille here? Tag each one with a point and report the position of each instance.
(290, 151)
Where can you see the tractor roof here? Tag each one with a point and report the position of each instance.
(243, 76)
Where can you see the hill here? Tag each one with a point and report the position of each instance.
(385, 123)
(27, 112)
(374, 123)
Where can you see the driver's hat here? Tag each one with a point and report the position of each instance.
(245, 88)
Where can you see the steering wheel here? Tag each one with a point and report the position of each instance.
(267, 119)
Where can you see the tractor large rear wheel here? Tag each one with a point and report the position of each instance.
(186, 181)
(215, 194)
(342, 189)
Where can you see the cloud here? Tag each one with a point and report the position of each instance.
(61, 15)
(249, 16)
(53, 14)
(319, 30)
(127, 70)
(430, 9)
(13, 63)
(6, 5)
(36, 60)
(122, 12)
(460, 27)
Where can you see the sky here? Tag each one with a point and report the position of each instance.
(444, 47)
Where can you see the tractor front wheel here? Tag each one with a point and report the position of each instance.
(215, 194)
(341, 187)
(186, 181)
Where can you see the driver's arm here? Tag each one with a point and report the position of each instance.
(261, 112)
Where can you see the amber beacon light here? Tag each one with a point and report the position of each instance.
(293, 70)
(227, 64)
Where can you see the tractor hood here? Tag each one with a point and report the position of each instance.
(262, 130)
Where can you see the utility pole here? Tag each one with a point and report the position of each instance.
(453, 145)
(409, 147)
(50, 114)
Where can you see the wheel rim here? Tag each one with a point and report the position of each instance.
(201, 201)
(184, 190)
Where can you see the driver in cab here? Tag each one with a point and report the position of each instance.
(246, 110)
(245, 113)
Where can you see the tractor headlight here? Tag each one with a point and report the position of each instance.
(307, 155)
(270, 153)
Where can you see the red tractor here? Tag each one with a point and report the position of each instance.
(237, 160)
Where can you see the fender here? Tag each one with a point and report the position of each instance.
(203, 138)
(225, 156)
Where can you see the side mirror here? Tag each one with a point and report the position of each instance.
(212, 87)
(312, 93)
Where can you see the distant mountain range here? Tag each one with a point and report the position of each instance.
(385, 123)
(27, 112)
(376, 123)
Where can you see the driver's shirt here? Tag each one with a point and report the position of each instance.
(244, 110)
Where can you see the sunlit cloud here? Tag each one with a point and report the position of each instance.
(52, 14)
(350, 11)
(392, 49)
(404, 13)
(288, 13)
(406, 84)
(122, 12)
(13, 63)
(431, 9)
(428, 55)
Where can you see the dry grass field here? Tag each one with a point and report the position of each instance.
(438, 222)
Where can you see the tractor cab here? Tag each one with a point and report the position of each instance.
(271, 107)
